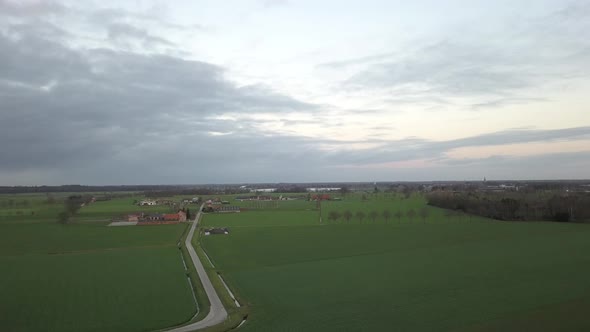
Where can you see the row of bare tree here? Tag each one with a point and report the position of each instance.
(373, 215)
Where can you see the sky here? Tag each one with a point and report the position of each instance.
(190, 92)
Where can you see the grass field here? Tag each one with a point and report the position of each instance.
(88, 277)
(33, 208)
(442, 274)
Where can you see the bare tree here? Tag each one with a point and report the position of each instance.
(407, 192)
(344, 191)
(50, 199)
(449, 214)
(71, 206)
(333, 215)
(347, 215)
(399, 216)
(386, 215)
(411, 214)
(373, 215)
(360, 215)
(424, 213)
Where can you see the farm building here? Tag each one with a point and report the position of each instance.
(147, 202)
(291, 198)
(245, 198)
(193, 200)
(134, 217)
(215, 231)
(227, 208)
(171, 217)
(154, 217)
(321, 197)
(255, 198)
(179, 216)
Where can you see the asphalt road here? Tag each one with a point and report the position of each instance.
(217, 313)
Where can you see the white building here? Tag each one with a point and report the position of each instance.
(263, 190)
(313, 190)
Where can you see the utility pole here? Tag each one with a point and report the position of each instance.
(319, 205)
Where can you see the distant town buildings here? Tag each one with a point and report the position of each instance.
(263, 190)
(321, 189)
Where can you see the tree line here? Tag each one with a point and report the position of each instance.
(527, 206)
(374, 215)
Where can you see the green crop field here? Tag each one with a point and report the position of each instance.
(440, 273)
(108, 209)
(33, 208)
(85, 276)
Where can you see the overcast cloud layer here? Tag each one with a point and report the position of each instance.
(198, 93)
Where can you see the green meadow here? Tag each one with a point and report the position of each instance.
(424, 271)
(33, 208)
(441, 273)
(85, 276)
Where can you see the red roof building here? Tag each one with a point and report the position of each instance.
(171, 217)
(321, 197)
(179, 216)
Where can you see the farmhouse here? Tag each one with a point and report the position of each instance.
(147, 202)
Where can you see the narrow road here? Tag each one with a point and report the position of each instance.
(217, 313)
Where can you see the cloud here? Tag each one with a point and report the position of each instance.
(74, 113)
(67, 108)
(565, 165)
(29, 7)
(274, 3)
(120, 16)
(104, 116)
(501, 102)
(505, 64)
(448, 67)
(126, 32)
(357, 61)
(435, 151)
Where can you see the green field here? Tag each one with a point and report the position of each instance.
(444, 273)
(33, 208)
(88, 277)
(440, 272)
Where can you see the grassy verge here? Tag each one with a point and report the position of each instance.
(202, 300)
(235, 314)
